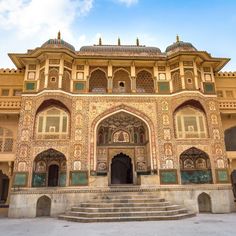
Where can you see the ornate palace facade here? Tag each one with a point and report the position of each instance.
(75, 122)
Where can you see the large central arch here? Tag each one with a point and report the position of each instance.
(122, 140)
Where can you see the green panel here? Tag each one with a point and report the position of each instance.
(62, 179)
(209, 88)
(79, 86)
(222, 176)
(168, 177)
(196, 177)
(163, 87)
(79, 178)
(20, 179)
(30, 86)
(39, 180)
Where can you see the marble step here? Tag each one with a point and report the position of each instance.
(125, 218)
(125, 209)
(127, 204)
(123, 200)
(126, 214)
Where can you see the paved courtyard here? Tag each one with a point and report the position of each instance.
(204, 224)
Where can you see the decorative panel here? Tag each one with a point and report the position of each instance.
(62, 179)
(39, 180)
(209, 88)
(196, 177)
(168, 177)
(30, 86)
(163, 87)
(78, 178)
(222, 176)
(20, 179)
(79, 86)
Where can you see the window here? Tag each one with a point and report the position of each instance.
(5, 92)
(52, 124)
(229, 93)
(190, 123)
(17, 92)
(6, 140)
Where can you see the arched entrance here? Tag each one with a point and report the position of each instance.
(49, 169)
(43, 207)
(204, 203)
(126, 136)
(4, 187)
(121, 169)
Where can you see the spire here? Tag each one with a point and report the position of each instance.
(59, 35)
(100, 41)
(177, 38)
(118, 41)
(137, 41)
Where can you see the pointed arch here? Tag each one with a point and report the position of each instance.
(121, 81)
(230, 139)
(128, 110)
(144, 82)
(195, 167)
(98, 81)
(43, 206)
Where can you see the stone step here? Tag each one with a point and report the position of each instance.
(125, 218)
(123, 200)
(128, 204)
(126, 197)
(125, 209)
(126, 214)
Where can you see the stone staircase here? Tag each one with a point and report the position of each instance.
(126, 206)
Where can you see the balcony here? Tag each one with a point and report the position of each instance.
(8, 103)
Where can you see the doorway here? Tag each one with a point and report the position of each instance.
(53, 173)
(121, 170)
(43, 207)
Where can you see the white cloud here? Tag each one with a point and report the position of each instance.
(41, 18)
(128, 2)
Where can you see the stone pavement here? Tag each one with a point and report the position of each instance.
(203, 224)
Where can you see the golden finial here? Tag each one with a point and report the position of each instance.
(137, 41)
(100, 41)
(59, 35)
(177, 38)
(118, 41)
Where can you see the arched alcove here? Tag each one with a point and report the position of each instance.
(43, 206)
(204, 203)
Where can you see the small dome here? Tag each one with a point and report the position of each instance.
(180, 46)
(58, 43)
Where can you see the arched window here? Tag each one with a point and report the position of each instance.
(66, 80)
(230, 139)
(144, 82)
(190, 123)
(189, 80)
(52, 123)
(6, 140)
(176, 81)
(121, 82)
(98, 82)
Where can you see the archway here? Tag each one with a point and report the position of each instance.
(204, 203)
(43, 207)
(195, 167)
(121, 169)
(49, 169)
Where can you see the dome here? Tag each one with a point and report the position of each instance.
(180, 46)
(58, 43)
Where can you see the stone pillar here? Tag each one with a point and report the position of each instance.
(86, 75)
(61, 72)
(46, 73)
(109, 84)
(155, 77)
(181, 67)
(195, 76)
(133, 84)
(37, 76)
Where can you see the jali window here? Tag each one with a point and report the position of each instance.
(52, 124)
(6, 140)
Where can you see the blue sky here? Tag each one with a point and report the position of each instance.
(210, 25)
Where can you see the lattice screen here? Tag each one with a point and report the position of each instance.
(176, 80)
(121, 82)
(98, 82)
(6, 140)
(144, 82)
